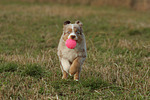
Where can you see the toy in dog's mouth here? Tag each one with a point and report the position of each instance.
(70, 43)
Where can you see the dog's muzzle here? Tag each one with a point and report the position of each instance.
(72, 36)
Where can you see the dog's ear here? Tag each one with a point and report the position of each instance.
(79, 23)
(67, 22)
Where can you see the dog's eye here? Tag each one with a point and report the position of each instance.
(68, 32)
(77, 32)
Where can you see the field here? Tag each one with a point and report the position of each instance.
(118, 45)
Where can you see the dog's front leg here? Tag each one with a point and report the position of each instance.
(75, 68)
(65, 65)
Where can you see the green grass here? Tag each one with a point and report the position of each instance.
(33, 70)
(118, 46)
(8, 67)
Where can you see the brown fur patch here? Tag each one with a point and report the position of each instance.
(65, 37)
(79, 35)
(75, 66)
(69, 30)
(77, 75)
(80, 38)
(75, 29)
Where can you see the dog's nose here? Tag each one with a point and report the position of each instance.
(72, 37)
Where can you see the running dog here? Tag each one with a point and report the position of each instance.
(71, 60)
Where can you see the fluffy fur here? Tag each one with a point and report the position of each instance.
(71, 60)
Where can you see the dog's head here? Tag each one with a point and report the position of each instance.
(72, 31)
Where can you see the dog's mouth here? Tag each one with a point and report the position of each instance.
(75, 40)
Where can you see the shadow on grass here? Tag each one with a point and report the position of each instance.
(89, 84)
(94, 83)
(85, 88)
(8, 67)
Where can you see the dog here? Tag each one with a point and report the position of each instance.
(71, 60)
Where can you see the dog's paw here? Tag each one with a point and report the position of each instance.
(64, 77)
(76, 80)
(70, 74)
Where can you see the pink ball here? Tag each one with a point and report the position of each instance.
(71, 44)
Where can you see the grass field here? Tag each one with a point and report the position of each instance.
(118, 45)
